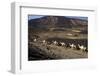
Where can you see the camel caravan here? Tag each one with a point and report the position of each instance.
(63, 44)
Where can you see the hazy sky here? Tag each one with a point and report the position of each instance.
(36, 16)
(33, 17)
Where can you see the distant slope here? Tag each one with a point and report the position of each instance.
(57, 21)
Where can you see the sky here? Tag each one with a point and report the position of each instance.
(37, 16)
(33, 17)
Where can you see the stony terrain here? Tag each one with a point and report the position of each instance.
(38, 51)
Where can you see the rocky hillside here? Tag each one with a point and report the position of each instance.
(57, 21)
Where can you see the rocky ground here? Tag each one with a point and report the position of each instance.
(39, 51)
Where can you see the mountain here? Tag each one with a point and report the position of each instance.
(57, 21)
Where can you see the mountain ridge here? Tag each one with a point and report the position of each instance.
(57, 21)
